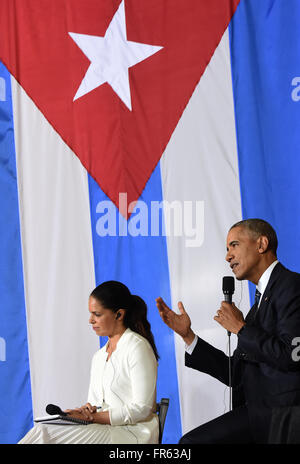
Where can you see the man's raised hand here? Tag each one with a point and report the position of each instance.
(180, 323)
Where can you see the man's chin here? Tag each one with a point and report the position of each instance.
(239, 275)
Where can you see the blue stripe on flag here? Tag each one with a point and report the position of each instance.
(141, 263)
(265, 59)
(15, 389)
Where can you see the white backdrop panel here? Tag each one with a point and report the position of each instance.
(57, 259)
(201, 164)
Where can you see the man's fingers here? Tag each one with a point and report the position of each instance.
(181, 307)
(217, 319)
(162, 307)
(160, 302)
(165, 318)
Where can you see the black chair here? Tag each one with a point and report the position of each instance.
(162, 409)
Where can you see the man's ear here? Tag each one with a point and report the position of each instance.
(263, 244)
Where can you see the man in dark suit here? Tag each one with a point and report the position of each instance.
(265, 374)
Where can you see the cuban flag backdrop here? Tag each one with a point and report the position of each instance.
(132, 136)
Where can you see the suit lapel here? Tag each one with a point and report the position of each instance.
(250, 316)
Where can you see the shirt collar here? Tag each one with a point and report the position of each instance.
(264, 279)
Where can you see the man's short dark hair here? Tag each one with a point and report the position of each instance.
(258, 227)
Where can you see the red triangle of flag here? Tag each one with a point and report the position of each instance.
(119, 146)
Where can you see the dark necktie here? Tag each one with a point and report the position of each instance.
(252, 313)
(256, 300)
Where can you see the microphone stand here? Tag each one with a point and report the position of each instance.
(229, 371)
(228, 290)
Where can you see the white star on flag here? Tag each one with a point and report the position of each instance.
(110, 57)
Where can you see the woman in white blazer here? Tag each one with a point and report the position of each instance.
(122, 394)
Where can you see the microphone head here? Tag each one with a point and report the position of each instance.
(53, 410)
(228, 285)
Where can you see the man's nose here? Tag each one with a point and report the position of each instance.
(228, 256)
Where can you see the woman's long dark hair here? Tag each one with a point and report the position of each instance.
(114, 295)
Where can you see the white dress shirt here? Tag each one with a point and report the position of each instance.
(264, 280)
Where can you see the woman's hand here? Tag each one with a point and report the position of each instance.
(89, 413)
(85, 412)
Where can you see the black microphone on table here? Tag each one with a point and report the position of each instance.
(228, 291)
(52, 409)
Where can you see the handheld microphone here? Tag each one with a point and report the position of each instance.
(228, 291)
(228, 288)
(52, 409)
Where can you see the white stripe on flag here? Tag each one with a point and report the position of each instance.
(200, 164)
(57, 259)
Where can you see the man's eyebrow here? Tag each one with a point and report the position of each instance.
(233, 242)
